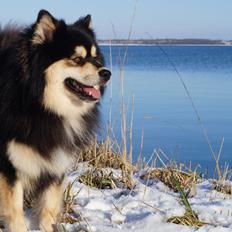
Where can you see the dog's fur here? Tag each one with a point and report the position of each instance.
(43, 124)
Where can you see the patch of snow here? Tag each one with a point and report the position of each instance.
(146, 208)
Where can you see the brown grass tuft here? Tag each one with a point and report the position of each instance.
(103, 155)
(187, 180)
(222, 187)
(188, 219)
(102, 179)
(69, 215)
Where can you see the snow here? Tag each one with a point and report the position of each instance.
(147, 207)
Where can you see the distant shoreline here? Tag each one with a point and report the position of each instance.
(181, 45)
(168, 42)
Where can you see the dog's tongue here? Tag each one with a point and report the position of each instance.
(95, 93)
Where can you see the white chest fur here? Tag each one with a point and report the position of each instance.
(30, 163)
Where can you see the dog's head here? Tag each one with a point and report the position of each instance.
(70, 62)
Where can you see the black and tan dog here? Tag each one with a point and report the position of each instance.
(52, 76)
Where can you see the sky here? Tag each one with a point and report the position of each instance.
(152, 18)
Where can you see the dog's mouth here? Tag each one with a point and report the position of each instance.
(84, 92)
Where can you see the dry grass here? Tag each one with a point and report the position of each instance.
(187, 180)
(188, 219)
(69, 215)
(223, 183)
(98, 179)
(222, 187)
(102, 179)
(104, 155)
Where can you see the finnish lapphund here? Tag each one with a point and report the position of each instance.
(52, 77)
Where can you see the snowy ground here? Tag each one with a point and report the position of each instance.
(147, 208)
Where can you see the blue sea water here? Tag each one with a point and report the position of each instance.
(162, 108)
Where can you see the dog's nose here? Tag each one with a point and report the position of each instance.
(105, 74)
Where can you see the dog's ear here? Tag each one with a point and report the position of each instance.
(45, 27)
(84, 22)
(87, 21)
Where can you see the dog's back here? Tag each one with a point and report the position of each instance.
(8, 35)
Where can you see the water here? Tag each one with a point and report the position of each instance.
(162, 108)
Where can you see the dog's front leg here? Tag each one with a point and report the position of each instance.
(50, 207)
(11, 203)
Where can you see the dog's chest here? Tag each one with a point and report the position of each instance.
(29, 162)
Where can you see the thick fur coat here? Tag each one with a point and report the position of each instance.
(52, 76)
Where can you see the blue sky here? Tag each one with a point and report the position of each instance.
(159, 18)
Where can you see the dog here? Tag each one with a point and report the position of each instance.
(52, 76)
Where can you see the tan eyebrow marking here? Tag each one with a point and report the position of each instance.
(93, 51)
(81, 51)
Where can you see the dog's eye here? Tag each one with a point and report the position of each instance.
(97, 62)
(77, 60)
